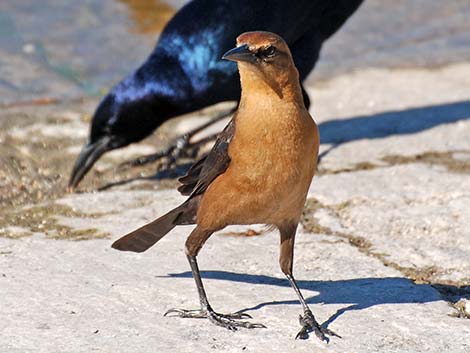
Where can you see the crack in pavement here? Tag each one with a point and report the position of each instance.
(450, 291)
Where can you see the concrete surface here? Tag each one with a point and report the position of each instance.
(382, 255)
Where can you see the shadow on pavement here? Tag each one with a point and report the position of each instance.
(400, 122)
(357, 294)
(381, 125)
(397, 122)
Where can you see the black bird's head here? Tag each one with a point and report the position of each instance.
(124, 116)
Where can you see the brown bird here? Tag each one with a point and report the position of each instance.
(258, 171)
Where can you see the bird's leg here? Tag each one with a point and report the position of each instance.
(181, 147)
(307, 321)
(225, 320)
(193, 245)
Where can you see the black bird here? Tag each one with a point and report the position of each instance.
(185, 73)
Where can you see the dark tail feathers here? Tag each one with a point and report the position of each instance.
(143, 238)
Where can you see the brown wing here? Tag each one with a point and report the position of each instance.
(195, 184)
(203, 172)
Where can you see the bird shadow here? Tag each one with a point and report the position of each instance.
(396, 122)
(355, 294)
(343, 130)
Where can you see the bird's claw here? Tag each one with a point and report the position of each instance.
(194, 314)
(236, 316)
(225, 320)
(309, 324)
(228, 321)
(180, 148)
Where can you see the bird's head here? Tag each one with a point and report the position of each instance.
(118, 121)
(264, 58)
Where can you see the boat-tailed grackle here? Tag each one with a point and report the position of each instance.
(184, 72)
(259, 171)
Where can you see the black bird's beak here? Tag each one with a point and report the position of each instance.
(87, 157)
(240, 53)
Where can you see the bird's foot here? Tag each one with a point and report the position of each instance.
(309, 324)
(225, 320)
(179, 148)
(193, 314)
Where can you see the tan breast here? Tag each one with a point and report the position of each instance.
(273, 158)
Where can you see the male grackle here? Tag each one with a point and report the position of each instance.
(258, 171)
(184, 72)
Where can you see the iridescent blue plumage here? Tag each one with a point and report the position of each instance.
(185, 71)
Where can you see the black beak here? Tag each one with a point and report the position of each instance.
(240, 53)
(87, 157)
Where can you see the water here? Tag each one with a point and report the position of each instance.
(54, 49)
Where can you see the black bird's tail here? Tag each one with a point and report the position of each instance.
(143, 238)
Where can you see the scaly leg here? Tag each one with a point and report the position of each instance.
(193, 245)
(308, 321)
(286, 259)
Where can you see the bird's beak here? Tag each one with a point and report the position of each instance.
(240, 53)
(90, 153)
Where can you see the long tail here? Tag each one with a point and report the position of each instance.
(143, 238)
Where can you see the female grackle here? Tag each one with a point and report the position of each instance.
(258, 171)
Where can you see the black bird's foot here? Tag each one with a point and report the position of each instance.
(225, 320)
(309, 324)
(179, 148)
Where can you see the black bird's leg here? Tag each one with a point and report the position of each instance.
(197, 238)
(182, 147)
(307, 321)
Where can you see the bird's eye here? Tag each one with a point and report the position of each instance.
(269, 51)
